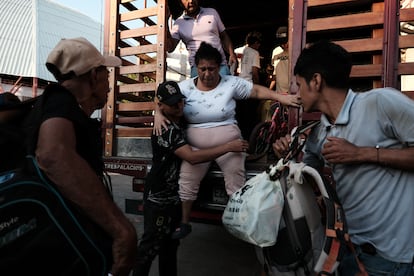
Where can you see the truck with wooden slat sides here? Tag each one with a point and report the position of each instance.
(378, 34)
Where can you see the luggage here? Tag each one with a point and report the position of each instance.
(312, 236)
(42, 234)
(306, 242)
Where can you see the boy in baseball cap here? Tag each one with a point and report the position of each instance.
(162, 206)
(169, 93)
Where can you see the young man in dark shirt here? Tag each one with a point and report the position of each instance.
(162, 207)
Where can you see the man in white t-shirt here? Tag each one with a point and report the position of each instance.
(198, 24)
(280, 61)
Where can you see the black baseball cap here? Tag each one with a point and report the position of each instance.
(169, 93)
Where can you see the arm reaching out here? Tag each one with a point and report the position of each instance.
(263, 93)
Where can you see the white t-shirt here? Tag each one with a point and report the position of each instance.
(250, 58)
(216, 107)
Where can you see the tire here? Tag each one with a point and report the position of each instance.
(258, 147)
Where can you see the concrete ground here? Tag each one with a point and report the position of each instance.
(208, 251)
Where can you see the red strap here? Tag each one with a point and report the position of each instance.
(362, 271)
(332, 255)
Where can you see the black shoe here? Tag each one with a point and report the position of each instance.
(182, 231)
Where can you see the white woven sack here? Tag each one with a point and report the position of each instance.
(253, 212)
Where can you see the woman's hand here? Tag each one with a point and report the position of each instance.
(238, 145)
(160, 121)
(289, 100)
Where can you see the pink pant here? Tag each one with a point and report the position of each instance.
(231, 163)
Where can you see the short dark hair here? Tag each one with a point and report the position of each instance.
(253, 37)
(328, 59)
(208, 52)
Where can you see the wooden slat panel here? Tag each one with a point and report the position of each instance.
(136, 106)
(141, 68)
(140, 14)
(133, 132)
(370, 70)
(140, 49)
(138, 32)
(362, 45)
(151, 86)
(345, 21)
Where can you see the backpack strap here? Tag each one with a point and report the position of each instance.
(336, 230)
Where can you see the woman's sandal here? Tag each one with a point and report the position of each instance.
(182, 231)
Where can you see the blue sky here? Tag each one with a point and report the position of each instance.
(92, 8)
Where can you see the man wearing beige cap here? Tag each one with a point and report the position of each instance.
(68, 145)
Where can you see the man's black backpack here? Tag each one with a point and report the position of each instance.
(41, 233)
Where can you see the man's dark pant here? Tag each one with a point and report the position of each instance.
(159, 223)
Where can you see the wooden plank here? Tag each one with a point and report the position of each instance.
(140, 40)
(138, 32)
(137, 106)
(139, 49)
(378, 33)
(133, 132)
(111, 37)
(161, 42)
(368, 70)
(141, 68)
(362, 45)
(407, 15)
(409, 94)
(406, 41)
(142, 14)
(345, 21)
(139, 87)
(135, 120)
(126, 79)
(406, 68)
(314, 3)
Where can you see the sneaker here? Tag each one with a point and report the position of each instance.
(182, 231)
